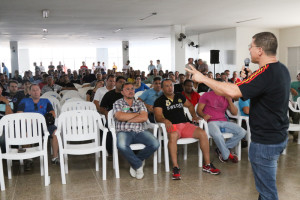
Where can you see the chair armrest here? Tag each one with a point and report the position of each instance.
(154, 127)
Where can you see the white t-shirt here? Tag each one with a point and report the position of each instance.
(125, 68)
(42, 68)
(100, 94)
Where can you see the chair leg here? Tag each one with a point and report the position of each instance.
(97, 161)
(159, 148)
(103, 164)
(2, 176)
(22, 162)
(284, 152)
(42, 165)
(238, 150)
(155, 163)
(185, 152)
(9, 162)
(200, 156)
(62, 168)
(116, 161)
(47, 178)
(166, 150)
(66, 164)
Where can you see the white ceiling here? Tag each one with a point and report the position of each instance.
(82, 22)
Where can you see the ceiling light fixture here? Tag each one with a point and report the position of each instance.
(44, 38)
(45, 30)
(117, 30)
(100, 38)
(248, 20)
(158, 38)
(152, 14)
(45, 13)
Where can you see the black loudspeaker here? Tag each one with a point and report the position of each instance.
(214, 56)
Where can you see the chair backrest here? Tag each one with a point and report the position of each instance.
(82, 91)
(51, 94)
(139, 93)
(110, 118)
(79, 125)
(78, 105)
(71, 93)
(55, 103)
(23, 129)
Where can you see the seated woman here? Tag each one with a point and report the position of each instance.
(91, 93)
(139, 86)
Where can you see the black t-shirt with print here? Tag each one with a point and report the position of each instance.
(268, 88)
(109, 99)
(172, 110)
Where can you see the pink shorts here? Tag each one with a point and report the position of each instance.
(185, 130)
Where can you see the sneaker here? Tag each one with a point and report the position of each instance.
(233, 158)
(132, 172)
(211, 169)
(140, 171)
(176, 173)
(219, 154)
(55, 161)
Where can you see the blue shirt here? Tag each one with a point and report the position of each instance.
(142, 88)
(43, 106)
(5, 71)
(243, 104)
(149, 96)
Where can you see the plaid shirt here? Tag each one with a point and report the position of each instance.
(137, 107)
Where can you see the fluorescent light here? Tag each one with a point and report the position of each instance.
(45, 30)
(100, 38)
(115, 31)
(45, 13)
(44, 38)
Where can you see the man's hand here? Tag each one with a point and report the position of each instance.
(197, 76)
(196, 119)
(2, 98)
(206, 117)
(244, 69)
(169, 126)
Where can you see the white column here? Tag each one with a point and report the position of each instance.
(178, 60)
(14, 56)
(125, 52)
(24, 61)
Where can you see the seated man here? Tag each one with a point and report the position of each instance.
(14, 95)
(168, 109)
(179, 87)
(37, 105)
(149, 97)
(130, 115)
(212, 108)
(189, 93)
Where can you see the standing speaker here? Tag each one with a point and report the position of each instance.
(214, 56)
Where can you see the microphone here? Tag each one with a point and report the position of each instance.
(247, 62)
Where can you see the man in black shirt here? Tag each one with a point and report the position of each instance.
(268, 88)
(179, 87)
(14, 96)
(168, 109)
(66, 83)
(107, 104)
(88, 78)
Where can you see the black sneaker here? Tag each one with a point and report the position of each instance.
(176, 173)
(219, 154)
(55, 161)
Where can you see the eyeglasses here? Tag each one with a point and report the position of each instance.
(35, 107)
(250, 46)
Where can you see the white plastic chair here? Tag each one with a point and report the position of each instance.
(137, 94)
(240, 119)
(163, 135)
(52, 94)
(56, 105)
(82, 91)
(79, 125)
(111, 126)
(24, 129)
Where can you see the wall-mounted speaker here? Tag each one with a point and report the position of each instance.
(214, 56)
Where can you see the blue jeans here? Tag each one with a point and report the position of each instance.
(216, 128)
(125, 139)
(263, 158)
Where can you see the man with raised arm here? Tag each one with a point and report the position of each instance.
(268, 88)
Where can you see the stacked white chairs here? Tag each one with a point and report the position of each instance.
(82, 91)
(70, 94)
(24, 129)
(56, 105)
(294, 127)
(51, 94)
(137, 94)
(111, 126)
(163, 135)
(77, 126)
